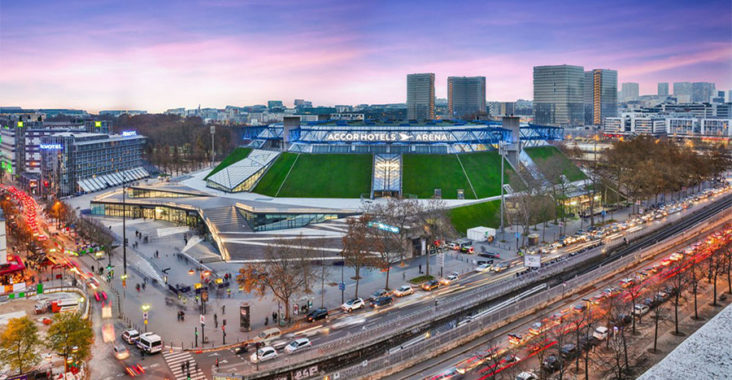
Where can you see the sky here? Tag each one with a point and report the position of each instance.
(160, 54)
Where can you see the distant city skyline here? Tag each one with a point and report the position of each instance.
(131, 55)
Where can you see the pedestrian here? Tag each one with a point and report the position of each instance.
(182, 367)
(188, 365)
(274, 316)
(196, 366)
(420, 268)
(404, 276)
(266, 321)
(223, 307)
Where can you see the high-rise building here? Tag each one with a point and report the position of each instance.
(465, 96)
(682, 92)
(701, 92)
(662, 88)
(421, 96)
(600, 95)
(629, 92)
(559, 95)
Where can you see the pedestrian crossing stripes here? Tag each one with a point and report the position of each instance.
(177, 363)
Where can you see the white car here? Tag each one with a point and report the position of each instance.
(482, 268)
(600, 333)
(121, 352)
(404, 290)
(640, 310)
(353, 304)
(297, 345)
(263, 354)
(526, 376)
(453, 276)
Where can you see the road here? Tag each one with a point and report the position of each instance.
(494, 353)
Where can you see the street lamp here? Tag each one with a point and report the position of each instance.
(145, 308)
(502, 151)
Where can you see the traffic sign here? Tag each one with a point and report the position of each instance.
(341, 286)
(518, 234)
(144, 316)
(203, 319)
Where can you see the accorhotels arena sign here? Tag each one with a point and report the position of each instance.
(388, 136)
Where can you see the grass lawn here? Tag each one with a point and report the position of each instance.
(422, 174)
(486, 214)
(329, 176)
(272, 179)
(541, 154)
(484, 171)
(237, 155)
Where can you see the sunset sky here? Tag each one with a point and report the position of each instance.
(159, 54)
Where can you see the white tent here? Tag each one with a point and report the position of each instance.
(481, 233)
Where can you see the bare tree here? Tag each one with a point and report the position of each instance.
(285, 271)
(678, 284)
(358, 246)
(435, 225)
(634, 291)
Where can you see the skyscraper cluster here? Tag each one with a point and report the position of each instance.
(465, 96)
(568, 95)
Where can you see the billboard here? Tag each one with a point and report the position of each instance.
(532, 261)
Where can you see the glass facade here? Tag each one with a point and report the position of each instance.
(559, 95)
(134, 192)
(134, 211)
(281, 221)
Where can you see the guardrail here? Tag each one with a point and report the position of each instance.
(490, 321)
(426, 314)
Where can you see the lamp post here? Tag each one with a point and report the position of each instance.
(124, 232)
(502, 153)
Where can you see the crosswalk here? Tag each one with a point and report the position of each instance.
(174, 361)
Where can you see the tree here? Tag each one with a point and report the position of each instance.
(678, 284)
(71, 335)
(18, 344)
(715, 266)
(634, 291)
(389, 243)
(285, 271)
(435, 225)
(695, 275)
(358, 246)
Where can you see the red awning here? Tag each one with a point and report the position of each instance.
(13, 265)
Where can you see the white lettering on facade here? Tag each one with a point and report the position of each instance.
(386, 136)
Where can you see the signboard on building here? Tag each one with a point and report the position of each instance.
(532, 261)
(388, 137)
(50, 146)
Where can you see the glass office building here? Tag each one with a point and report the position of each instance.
(559, 95)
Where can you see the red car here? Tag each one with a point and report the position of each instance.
(97, 297)
(104, 295)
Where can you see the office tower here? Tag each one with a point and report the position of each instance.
(662, 88)
(629, 92)
(682, 92)
(559, 95)
(701, 92)
(602, 85)
(588, 98)
(465, 96)
(421, 96)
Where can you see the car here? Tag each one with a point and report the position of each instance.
(97, 296)
(298, 345)
(353, 304)
(382, 302)
(499, 267)
(449, 373)
(666, 262)
(377, 294)
(569, 351)
(526, 376)
(241, 349)
(510, 358)
(453, 276)
(611, 292)
(120, 352)
(515, 338)
(403, 291)
(430, 285)
(263, 354)
(483, 268)
(104, 295)
(640, 310)
(317, 314)
(538, 328)
(551, 363)
(597, 298)
(626, 282)
(579, 307)
(135, 370)
(676, 256)
(130, 336)
(600, 333)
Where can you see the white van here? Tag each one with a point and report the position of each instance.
(268, 335)
(150, 343)
(600, 333)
